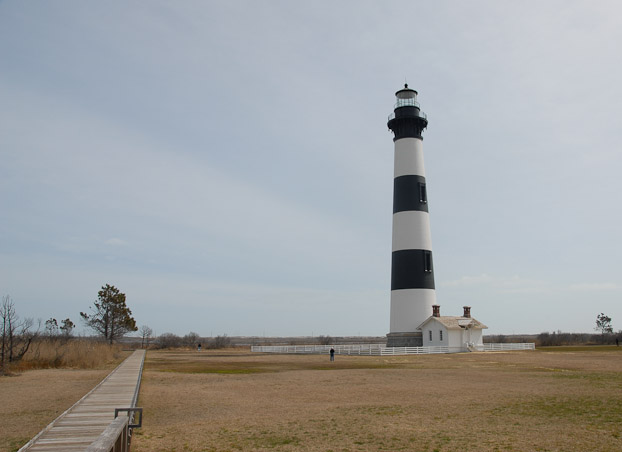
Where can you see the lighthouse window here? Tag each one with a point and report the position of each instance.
(427, 261)
(440, 334)
(423, 195)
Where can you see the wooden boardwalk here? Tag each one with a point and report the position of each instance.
(84, 422)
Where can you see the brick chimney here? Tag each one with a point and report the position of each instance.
(467, 311)
(436, 310)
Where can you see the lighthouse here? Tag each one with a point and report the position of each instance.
(412, 272)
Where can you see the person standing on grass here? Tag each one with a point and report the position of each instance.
(332, 354)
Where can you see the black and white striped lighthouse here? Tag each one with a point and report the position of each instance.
(412, 274)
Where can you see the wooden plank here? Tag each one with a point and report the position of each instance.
(82, 424)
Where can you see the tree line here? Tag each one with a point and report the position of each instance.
(111, 319)
(108, 317)
(605, 336)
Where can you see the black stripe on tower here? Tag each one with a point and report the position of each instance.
(410, 193)
(412, 269)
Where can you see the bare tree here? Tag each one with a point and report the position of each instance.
(17, 336)
(220, 342)
(191, 339)
(146, 333)
(169, 340)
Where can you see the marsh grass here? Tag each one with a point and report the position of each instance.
(74, 353)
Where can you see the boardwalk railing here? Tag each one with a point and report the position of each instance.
(116, 437)
(381, 349)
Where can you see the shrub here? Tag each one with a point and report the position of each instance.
(219, 342)
(557, 338)
(191, 339)
(169, 340)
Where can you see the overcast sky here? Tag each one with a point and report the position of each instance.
(227, 164)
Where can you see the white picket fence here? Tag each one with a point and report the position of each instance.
(356, 349)
(509, 347)
(380, 349)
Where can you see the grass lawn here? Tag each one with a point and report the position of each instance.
(555, 399)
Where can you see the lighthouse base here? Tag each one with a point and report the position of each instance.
(414, 339)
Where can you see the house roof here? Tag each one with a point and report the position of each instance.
(454, 323)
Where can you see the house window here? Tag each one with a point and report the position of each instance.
(430, 335)
(423, 194)
(427, 261)
(440, 334)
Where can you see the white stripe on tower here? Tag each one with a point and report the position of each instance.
(412, 275)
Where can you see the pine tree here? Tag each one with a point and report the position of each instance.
(111, 317)
(603, 324)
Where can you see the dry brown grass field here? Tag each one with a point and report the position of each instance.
(567, 399)
(31, 399)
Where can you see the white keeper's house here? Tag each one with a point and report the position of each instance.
(460, 334)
